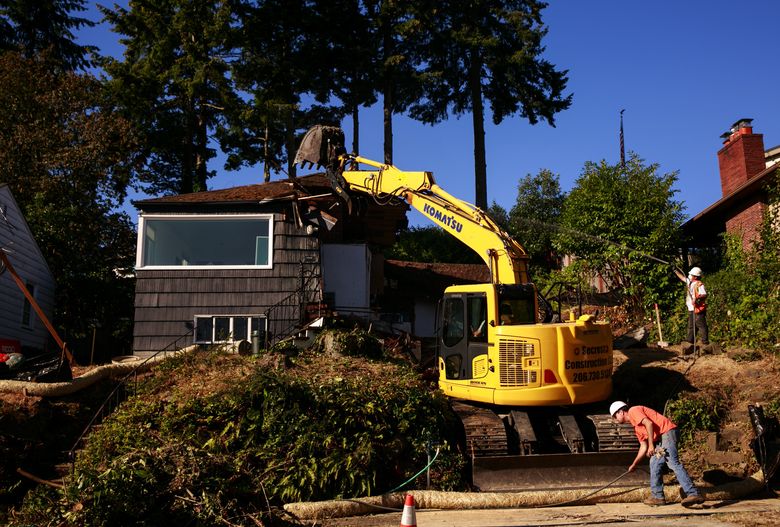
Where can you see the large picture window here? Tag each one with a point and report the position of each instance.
(229, 241)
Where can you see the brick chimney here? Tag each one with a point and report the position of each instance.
(741, 157)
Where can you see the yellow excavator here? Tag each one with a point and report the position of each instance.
(530, 392)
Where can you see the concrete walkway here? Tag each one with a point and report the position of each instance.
(762, 512)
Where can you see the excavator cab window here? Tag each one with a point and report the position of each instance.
(452, 327)
(477, 312)
(452, 337)
(516, 305)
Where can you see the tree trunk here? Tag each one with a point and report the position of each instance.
(290, 141)
(201, 146)
(387, 113)
(266, 164)
(387, 95)
(355, 130)
(478, 122)
(187, 172)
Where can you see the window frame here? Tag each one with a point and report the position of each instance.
(28, 317)
(141, 246)
(231, 333)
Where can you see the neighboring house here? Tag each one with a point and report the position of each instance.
(264, 258)
(413, 290)
(18, 320)
(747, 172)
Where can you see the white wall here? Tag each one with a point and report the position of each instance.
(346, 274)
(30, 265)
(424, 318)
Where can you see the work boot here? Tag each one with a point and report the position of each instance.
(656, 501)
(692, 500)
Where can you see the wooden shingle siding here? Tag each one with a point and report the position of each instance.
(167, 300)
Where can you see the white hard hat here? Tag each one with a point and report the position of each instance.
(614, 407)
(695, 271)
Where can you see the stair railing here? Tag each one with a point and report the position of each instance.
(118, 395)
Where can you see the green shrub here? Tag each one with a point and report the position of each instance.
(692, 414)
(325, 429)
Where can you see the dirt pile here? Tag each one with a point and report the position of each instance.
(654, 377)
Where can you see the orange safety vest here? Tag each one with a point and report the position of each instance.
(699, 304)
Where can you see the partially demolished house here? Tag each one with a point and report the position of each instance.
(213, 267)
(20, 327)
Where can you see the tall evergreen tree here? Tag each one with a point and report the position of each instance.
(34, 26)
(346, 43)
(174, 81)
(400, 32)
(488, 50)
(274, 69)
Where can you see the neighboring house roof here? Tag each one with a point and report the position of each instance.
(707, 225)
(434, 277)
(746, 172)
(4, 223)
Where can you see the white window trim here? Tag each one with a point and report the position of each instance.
(232, 318)
(139, 252)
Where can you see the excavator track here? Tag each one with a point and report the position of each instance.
(493, 469)
(485, 432)
(614, 436)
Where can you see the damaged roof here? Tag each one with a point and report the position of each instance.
(314, 185)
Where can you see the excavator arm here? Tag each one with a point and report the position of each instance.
(506, 259)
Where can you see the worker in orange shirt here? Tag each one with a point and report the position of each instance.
(657, 437)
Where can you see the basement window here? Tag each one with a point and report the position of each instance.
(215, 329)
(229, 241)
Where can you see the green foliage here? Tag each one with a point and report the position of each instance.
(534, 218)
(691, 414)
(34, 27)
(354, 343)
(321, 430)
(431, 244)
(173, 81)
(615, 220)
(772, 409)
(743, 297)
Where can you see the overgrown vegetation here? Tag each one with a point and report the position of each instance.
(692, 413)
(743, 301)
(213, 437)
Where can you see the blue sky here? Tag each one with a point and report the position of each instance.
(683, 72)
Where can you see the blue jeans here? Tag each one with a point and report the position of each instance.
(669, 443)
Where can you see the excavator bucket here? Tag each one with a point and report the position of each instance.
(586, 471)
(321, 146)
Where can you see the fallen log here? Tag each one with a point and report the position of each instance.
(58, 389)
(427, 499)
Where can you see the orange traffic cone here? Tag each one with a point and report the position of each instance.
(407, 517)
